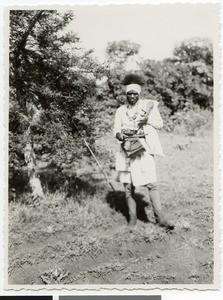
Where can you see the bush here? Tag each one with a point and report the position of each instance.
(189, 121)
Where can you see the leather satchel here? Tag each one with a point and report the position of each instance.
(132, 148)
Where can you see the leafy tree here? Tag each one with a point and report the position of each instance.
(194, 49)
(197, 55)
(118, 54)
(50, 85)
(184, 80)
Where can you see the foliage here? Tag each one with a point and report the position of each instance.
(50, 75)
(119, 52)
(197, 54)
(181, 83)
(167, 82)
(189, 121)
(183, 80)
(194, 49)
(52, 78)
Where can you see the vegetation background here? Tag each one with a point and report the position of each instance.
(65, 224)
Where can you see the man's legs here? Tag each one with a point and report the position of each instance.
(129, 192)
(155, 200)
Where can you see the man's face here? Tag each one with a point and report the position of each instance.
(132, 97)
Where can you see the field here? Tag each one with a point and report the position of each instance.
(85, 239)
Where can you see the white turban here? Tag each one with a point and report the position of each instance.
(133, 87)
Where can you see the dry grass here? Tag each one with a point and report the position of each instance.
(85, 238)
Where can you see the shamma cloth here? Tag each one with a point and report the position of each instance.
(142, 169)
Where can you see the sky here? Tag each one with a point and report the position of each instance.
(157, 28)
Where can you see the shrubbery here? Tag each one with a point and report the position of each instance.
(189, 121)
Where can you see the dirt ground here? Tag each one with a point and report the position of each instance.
(86, 239)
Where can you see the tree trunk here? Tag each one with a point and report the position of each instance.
(30, 157)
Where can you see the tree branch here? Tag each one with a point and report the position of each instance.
(24, 38)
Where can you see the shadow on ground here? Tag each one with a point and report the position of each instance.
(117, 201)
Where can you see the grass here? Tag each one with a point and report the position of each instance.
(86, 238)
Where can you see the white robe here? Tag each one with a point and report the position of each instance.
(140, 170)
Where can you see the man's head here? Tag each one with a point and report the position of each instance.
(133, 91)
(133, 83)
(132, 97)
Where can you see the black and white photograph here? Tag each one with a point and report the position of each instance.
(113, 146)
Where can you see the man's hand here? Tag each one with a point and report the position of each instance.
(120, 136)
(143, 121)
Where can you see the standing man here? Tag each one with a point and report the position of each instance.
(134, 116)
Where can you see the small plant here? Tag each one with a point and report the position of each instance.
(54, 276)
